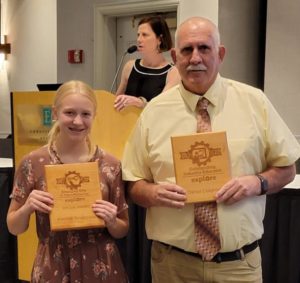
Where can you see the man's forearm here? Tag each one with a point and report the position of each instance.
(141, 193)
(278, 177)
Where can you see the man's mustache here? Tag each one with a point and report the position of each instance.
(199, 67)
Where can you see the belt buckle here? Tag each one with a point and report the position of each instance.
(218, 258)
(242, 254)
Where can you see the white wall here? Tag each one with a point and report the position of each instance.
(282, 70)
(204, 8)
(75, 32)
(240, 27)
(75, 19)
(31, 28)
(34, 44)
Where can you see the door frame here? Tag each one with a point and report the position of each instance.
(105, 34)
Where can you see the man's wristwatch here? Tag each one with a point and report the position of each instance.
(263, 184)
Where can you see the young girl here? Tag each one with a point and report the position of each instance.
(88, 255)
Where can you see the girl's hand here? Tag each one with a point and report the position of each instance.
(38, 201)
(107, 211)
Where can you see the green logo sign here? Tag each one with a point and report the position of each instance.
(47, 116)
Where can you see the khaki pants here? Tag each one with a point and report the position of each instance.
(171, 266)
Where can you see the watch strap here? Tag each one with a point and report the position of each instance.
(263, 184)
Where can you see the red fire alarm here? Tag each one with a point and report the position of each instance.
(75, 56)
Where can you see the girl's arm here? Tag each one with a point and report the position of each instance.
(116, 224)
(19, 214)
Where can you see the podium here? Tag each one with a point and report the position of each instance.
(31, 114)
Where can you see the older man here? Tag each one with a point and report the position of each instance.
(262, 154)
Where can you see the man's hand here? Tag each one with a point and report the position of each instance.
(149, 194)
(238, 188)
(170, 195)
(245, 186)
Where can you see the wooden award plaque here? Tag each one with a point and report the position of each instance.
(201, 164)
(75, 187)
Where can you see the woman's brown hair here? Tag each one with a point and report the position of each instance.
(161, 29)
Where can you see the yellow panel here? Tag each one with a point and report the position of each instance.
(26, 98)
(110, 131)
(27, 242)
(112, 128)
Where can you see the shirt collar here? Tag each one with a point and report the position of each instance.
(212, 94)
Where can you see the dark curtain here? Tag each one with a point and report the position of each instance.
(8, 262)
(280, 244)
(135, 248)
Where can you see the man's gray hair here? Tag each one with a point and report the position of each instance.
(215, 30)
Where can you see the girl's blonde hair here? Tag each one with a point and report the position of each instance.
(68, 88)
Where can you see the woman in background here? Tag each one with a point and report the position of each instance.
(87, 255)
(145, 78)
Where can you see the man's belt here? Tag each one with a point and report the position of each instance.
(220, 257)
